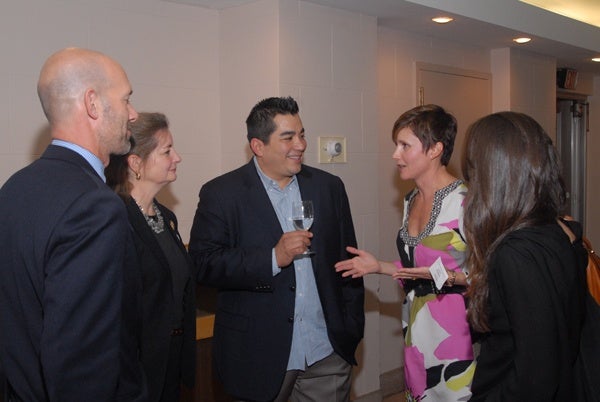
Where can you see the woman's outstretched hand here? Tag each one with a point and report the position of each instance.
(364, 263)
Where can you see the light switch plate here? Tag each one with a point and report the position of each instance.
(332, 149)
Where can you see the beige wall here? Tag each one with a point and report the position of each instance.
(170, 52)
(533, 88)
(525, 82)
(205, 69)
(249, 71)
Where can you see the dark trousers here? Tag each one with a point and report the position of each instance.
(171, 387)
(9, 394)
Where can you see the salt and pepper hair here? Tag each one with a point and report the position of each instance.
(260, 122)
(143, 142)
(430, 124)
(514, 178)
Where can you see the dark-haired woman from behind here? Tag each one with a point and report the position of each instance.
(168, 333)
(527, 266)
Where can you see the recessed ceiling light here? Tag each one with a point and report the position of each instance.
(442, 20)
(521, 40)
(596, 59)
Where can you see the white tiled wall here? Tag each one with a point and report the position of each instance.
(170, 52)
(533, 88)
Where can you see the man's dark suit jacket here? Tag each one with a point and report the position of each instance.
(68, 307)
(159, 307)
(232, 237)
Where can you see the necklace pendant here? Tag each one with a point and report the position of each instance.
(156, 222)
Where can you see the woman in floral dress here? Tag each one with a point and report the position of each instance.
(438, 354)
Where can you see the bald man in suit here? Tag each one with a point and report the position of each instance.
(68, 287)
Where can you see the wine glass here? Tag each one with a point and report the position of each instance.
(302, 217)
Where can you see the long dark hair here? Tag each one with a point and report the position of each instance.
(514, 179)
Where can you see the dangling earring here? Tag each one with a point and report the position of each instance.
(138, 176)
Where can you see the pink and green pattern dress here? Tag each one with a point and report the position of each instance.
(438, 354)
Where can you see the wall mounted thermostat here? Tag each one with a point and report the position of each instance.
(332, 149)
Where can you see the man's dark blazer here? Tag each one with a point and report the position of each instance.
(67, 304)
(232, 237)
(158, 304)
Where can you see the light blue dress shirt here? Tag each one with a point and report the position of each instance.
(92, 159)
(310, 342)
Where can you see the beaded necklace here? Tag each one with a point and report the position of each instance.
(156, 222)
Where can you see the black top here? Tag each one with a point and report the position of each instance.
(180, 272)
(536, 305)
(163, 309)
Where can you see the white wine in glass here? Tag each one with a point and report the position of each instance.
(303, 216)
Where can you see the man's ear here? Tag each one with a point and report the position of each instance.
(92, 103)
(257, 146)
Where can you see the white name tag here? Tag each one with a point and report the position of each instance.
(438, 273)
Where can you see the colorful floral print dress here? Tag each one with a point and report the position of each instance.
(438, 354)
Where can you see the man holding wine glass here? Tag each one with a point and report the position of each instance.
(287, 325)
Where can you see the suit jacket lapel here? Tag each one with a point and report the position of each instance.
(310, 191)
(307, 191)
(260, 201)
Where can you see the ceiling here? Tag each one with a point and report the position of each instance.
(488, 24)
(587, 11)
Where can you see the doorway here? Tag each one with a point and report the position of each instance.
(571, 130)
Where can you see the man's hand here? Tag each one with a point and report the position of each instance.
(290, 245)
